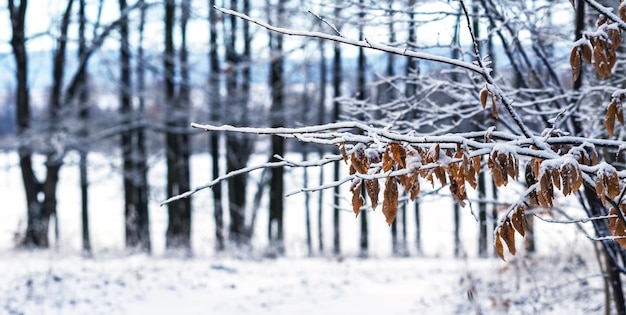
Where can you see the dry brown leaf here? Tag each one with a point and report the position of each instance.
(612, 185)
(440, 172)
(556, 179)
(545, 194)
(617, 227)
(594, 157)
(359, 162)
(499, 247)
(458, 192)
(483, 97)
(575, 62)
(476, 164)
(494, 107)
(615, 35)
(342, 149)
(586, 53)
(388, 162)
(508, 234)
(610, 118)
(399, 155)
(390, 201)
(600, 189)
(512, 166)
(518, 219)
(415, 190)
(622, 13)
(531, 180)
(600, 62)
(373, 188)
(357, 199)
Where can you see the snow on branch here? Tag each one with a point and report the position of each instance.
(364, 43)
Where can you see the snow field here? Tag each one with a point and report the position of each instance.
(564, 278)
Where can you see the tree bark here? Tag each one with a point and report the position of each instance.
(178, 235)
(83, 115)
(410, 89)
(215, 104)
(133, 147)
(337, 79)
(36, 229)
(239, 146)
(277, 80)
(361, 95)
(321, 113)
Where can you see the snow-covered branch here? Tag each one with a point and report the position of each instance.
(358, 43)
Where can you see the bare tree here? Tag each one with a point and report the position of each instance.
(215, 105)
(133, 151)
(178, 235)
(277, 81)
(239, 147)
(337, 79)
(83, 115)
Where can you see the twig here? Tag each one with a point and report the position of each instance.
(331, 25)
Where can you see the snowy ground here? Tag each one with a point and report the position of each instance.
(562, 279)
(44, 283)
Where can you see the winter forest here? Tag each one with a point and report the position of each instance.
(331, 157)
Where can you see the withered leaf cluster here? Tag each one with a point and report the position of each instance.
(617, 226)
(453, 167)
(485, 93)
(598, 48)
(506, 231)
(614, 111)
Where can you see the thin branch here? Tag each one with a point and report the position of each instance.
(331, 25)
(608, 13)
(358, 43)
(224, 177)
(573, 221)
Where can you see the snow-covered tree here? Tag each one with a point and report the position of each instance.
(530, 121)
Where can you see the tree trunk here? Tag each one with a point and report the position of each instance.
(482, 216)
(141, 154)
(307, 205)
(395, 248)
(35, 234)
(83, 115)
(215, 104)
(238, 146)
(321, 113)
(410, 89)
(277, 80)
(133, 147)
(361, 95)
(337, 78)
(130, 212)
(458, 248)
(41, 198)
(178, 235)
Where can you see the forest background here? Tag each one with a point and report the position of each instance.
(99, 97)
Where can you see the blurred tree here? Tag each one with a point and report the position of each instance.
(136, 216)
(337, 80)
(361, 95)
(83, 115)
(239, 147)
(277, 118)
(215, 104)
(178, 235)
